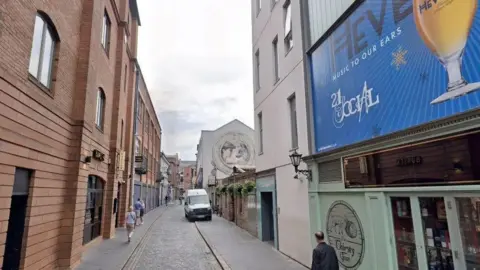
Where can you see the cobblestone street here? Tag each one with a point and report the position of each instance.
(173, 243)
(168, 241)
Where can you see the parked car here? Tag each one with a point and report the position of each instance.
(197, 205)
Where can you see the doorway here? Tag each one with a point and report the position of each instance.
(16, 220)
(437, 231)
(116, 205)
(268, 231)
(93, 209)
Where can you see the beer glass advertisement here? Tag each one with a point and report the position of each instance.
(392, 65)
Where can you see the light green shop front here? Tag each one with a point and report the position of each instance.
(412, 206)
(382, 239)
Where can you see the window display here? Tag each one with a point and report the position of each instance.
(468, 215)
(404, 234)
(437, 236)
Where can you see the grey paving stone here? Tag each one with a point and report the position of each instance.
(111, 254)
(242, 251)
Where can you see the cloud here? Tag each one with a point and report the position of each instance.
(196, 60)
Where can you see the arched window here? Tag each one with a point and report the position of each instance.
(44, 42)
(100, 115)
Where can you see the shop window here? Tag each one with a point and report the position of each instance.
(469, 219)
(451, 161)
(435, 230)
(404, 233)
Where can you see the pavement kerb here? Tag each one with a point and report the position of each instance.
(131, 258)
(223, 264)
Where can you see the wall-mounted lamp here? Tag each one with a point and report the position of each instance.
(87, 159)
(457, 167)
(296, 159)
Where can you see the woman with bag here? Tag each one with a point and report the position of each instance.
(130, 222)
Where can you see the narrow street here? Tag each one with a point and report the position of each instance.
(173, 243)
(168, 241)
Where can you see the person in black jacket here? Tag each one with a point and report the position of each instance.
(324, 256)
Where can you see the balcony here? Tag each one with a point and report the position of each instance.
(141, 164)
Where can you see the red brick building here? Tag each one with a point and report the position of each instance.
(147, 149)
(187, 172)
(66, 94)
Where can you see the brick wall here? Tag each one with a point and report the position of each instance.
(239, 209)
(50, 131)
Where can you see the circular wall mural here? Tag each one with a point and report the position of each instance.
(345, 234)
(233, 149)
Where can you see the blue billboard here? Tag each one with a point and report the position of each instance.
(392, 65)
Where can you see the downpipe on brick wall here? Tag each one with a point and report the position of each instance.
(134, 132)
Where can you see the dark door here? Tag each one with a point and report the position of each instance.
(267, 217)
(93, 210)
(116, 205)
(16, 220)
(137, 192)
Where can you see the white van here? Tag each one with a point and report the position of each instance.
(197, 205)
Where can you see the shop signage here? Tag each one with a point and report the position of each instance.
(345, 234)
(409, 161)
(383, 69)
(98, 155)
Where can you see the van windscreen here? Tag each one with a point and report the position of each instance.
(199, 199)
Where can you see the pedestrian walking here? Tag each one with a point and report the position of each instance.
(130, 221)
(142, 211)
(324, 256)
(138, 207)
(166, 200)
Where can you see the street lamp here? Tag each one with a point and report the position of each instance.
(296, 159)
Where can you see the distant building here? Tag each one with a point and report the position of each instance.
(187, 171)
(218, 151)
(174, 177)
(165, 172)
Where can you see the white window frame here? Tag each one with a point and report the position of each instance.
(288, 40)
(258, 6)
(276, 77)
(292, 104)
(42, 33)
(100, 111)
(106, 31)
(260, 133)
(257, 70)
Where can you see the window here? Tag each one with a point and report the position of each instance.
(260, 133)
(43, 51)
(125, 80)
(100, 116)
(293, 120)
(137, 147)
(257, 70)
(106, 27)
(288, 26)
(140, 109)
(125, 38)
(275, 60)
(258, 6)
(121, 136)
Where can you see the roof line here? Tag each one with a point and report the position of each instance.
(135, 13)
(148, 94)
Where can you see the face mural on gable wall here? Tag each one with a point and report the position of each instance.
(233, 149)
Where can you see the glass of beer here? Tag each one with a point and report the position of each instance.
(444, 27)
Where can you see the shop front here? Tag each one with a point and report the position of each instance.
(409, 207)
(395, 144)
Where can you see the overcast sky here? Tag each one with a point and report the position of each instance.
(196, 60)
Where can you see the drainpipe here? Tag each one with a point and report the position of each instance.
(134, 133)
